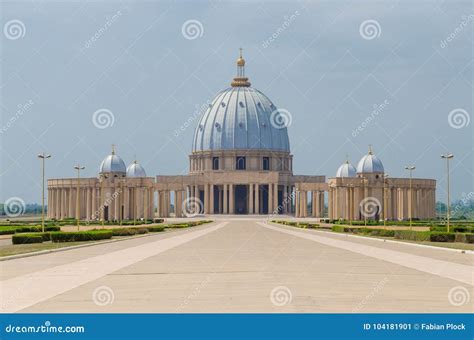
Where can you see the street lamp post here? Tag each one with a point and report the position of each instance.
(385, 176)
(410, 168)
(43, 157)
(78, 213)
(448, 156)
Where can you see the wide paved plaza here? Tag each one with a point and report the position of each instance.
(241, 265)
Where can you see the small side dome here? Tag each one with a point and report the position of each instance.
(370, 164)
(113, 164)
(135, 170)
(346, 170)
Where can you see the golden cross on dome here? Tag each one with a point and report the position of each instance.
(370, 149)
(113, 149)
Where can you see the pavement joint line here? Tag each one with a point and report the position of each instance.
(461, 251)
(27, 290)
(449, 270)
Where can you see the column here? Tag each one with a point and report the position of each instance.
(226, 210)
(276, 207)
(231, 199)
(250, 194)
(257, 198)
(206, 199)
(270, 198)
(211, 198)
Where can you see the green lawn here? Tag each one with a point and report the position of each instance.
(28, 248)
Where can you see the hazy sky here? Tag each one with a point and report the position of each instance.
(327, 62)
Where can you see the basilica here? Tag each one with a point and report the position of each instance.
(241, 163)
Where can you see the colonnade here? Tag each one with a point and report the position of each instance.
(95, 203)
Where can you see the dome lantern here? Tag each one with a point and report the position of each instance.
(240, 80)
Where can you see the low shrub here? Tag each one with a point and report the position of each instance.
(158, 220)
(79, 236)
(412, 235)
(155, 229)
(27, 238)
(382, 232)
(124, 231)
(442, 237)
(464, 238)
(7, 231)
(338, 228)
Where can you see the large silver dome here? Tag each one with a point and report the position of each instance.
(241, 117)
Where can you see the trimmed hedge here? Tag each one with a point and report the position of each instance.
(412, 235)
(128, 231)
(8, 231)
(155, 229)
(79, 236)
(464, 238)
(27, 238)
(442, 237)
(304, 225)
